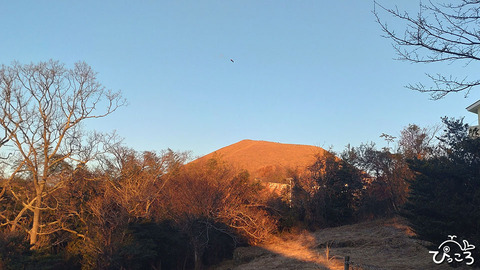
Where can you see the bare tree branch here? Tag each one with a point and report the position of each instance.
(437, 33)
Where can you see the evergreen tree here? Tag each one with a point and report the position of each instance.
(445, 194)
(337, 191)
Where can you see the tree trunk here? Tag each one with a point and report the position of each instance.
(36, 220)
(197, 256)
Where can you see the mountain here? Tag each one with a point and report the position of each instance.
(267, 161)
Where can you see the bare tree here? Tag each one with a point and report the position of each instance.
(205, 194)
(438, 33)
(141, 178)
(42, 107)
(416, 142)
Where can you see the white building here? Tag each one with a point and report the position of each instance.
(474, 131)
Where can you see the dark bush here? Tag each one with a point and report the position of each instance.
(14, 251)
(153, 245)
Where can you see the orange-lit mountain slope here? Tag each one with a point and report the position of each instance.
(268, 161)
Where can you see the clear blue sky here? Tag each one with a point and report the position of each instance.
(305, 72)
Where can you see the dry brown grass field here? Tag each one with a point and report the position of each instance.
(380, 244)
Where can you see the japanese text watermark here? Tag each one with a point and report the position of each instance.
(452, 251)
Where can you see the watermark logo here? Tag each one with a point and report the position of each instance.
(452, 251)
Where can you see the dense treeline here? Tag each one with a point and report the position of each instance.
(360, 183)
(151, 212)
(445, 194)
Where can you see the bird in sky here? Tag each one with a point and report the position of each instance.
(232, 60)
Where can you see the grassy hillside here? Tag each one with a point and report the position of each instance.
(381, 244)
(267, 160)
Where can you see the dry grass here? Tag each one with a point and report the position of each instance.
(297, 252)
(303, 249)
(381, 244)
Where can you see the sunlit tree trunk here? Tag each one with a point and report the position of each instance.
(36, 219)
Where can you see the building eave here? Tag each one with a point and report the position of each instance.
(474, 107)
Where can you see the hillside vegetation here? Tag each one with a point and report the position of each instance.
(380, 244)
(69, 200)
(269, 161)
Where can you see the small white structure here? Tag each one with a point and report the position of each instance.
(474, 131)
